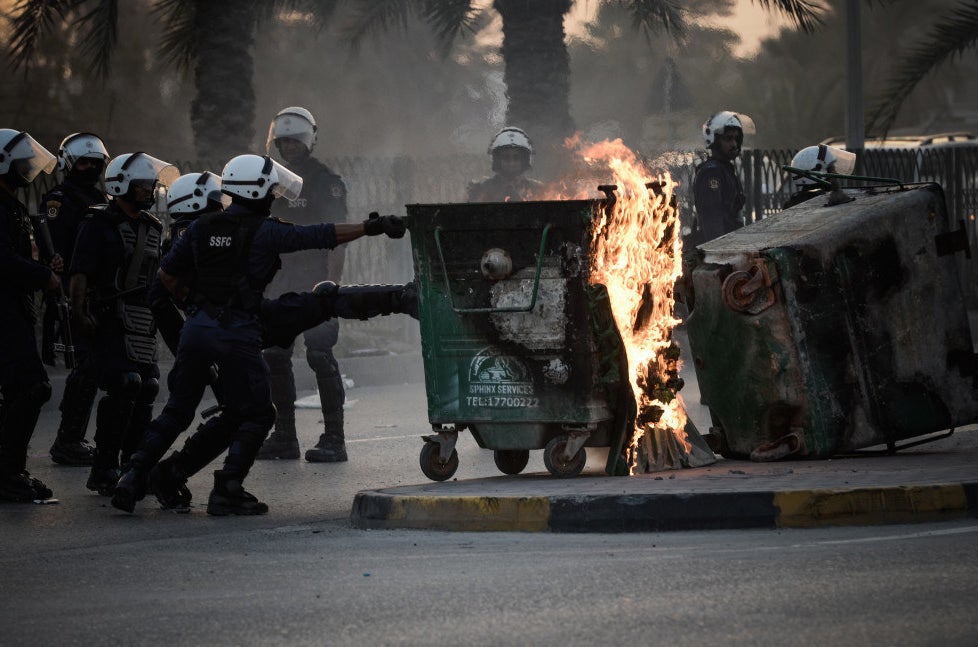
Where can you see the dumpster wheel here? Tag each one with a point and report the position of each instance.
(511, 461)
(431, 463)
(557, 464)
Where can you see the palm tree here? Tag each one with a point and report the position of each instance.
(214, 38)
(947, 39)
(534, 49)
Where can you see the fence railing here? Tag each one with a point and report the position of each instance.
(388, 184)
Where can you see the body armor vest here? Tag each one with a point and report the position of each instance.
(141, 239)
(221, 245)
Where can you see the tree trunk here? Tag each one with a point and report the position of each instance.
(223, 112)
(537, 73)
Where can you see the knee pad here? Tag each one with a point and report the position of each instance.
(127, 386)
(148, 390)
(322, 363)
(324, 336)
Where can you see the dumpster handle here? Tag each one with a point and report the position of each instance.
(536, 279)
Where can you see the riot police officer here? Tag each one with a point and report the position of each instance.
(512, 156)
(115, 258)
(293, 134)
(24, 385)
(188, 198)
(81, 158)
(821, 159)
(718, 193)
(223, 264)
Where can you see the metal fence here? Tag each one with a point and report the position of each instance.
(388, 184)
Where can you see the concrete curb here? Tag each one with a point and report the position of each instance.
(386, 509)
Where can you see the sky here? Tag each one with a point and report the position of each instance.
(751, 21)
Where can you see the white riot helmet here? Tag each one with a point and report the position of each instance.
(22, 158)
(129, 168)
(822, 159)
(292, 123)
(253, 177)
(193, 193)
(79, 145)
(719, 122)
(511, 137)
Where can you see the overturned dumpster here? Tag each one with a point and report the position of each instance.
(519, 345)
(834, 326)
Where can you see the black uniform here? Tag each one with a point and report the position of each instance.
(119, 254)
(231, 256)
(502, 189)
(64, 207)
(23, 381)
(719, 198)
(323, 200)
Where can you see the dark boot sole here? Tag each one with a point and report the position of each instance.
(123, 500)
(222, 510)
(72, 461)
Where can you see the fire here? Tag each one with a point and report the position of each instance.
(637, 255)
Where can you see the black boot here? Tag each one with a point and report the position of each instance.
(69, 446)
(230, 497)
(19, 488)
(131, 486)
(104, 473)
(280, 445)
(331, 447)
(168, 482)
(103, 480)
(71, 452)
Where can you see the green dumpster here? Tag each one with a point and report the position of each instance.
(834, 326)
(515, 342)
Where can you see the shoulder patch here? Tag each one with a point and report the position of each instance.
(337, 190)
(714, 184)
(53, 208)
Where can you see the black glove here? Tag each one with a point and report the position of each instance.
(377, 224)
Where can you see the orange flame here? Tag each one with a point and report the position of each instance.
(637, 255)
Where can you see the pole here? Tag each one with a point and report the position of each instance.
(855, 126)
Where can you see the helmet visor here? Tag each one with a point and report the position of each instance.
(287, 185)
(845, 161)
(141, 166)
(746, 124)
(290, 126)
(24, 147)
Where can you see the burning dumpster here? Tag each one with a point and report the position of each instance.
(836, 325)
(519, 341)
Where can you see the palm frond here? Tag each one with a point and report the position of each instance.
(652, 16)
(947, 39)
(450, 19)
(806, 15)
(177, 39)
(371, 17)
(29, 20)
(100, 40)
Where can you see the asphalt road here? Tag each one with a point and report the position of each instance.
(81, 572)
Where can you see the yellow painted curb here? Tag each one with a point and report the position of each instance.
(809, 508)
(467, 514)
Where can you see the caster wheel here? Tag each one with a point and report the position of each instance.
(511, 461)
(553, 458)
(432, 466)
